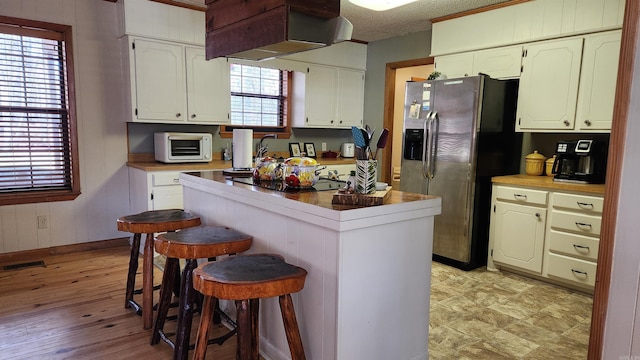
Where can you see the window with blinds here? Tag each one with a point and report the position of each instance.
(258, 96)
(36, 148)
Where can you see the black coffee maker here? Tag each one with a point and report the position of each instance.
(580, 161)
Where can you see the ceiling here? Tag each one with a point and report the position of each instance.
(369, 25)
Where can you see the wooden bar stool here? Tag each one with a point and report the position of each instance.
(247, 279)
(149, 222)
(190, 244)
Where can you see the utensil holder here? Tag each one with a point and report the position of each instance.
(366, 176)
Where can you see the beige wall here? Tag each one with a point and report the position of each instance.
(402, 76)
(101, 132)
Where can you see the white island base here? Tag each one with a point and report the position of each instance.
(366, 295)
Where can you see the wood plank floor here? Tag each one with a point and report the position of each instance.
(72, 308)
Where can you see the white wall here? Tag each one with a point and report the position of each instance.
(101, 133)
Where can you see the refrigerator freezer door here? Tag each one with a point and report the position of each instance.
(451, 229)
(411, 177)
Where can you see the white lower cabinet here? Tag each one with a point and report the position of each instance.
(519, 219)
(154, 190)
(564, 250)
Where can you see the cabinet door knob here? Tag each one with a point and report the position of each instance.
(193, 116)
(587, 122)
(178, 115)
(566, 123)
(538, 215)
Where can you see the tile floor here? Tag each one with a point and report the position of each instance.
(496, 315)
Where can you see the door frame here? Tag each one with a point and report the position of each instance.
(622, 102)
(389, 96)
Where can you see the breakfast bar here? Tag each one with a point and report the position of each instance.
(367, 291)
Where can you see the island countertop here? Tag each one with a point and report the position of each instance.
(317, 198)
(361, 261)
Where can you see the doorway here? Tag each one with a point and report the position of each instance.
(396, 75)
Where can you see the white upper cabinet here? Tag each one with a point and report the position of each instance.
(598, 81)
(455, 66)
(499, 63)
(160, 87)
(549, 85)
(319, 100)
(525, 22)
(173, 83)
(328, 97)
(350, 106)
(208, 88)
(568, 86)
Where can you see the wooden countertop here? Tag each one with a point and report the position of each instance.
(546, 182)
(320, 199)
(149, 165)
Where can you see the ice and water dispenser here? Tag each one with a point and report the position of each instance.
(413, 141)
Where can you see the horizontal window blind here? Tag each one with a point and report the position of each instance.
(34, 124)
(257, 96)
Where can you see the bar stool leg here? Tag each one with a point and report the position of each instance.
(133, 268)
(147, 283)
(248, 328)
(202, 337)
(291, 327)
(172, 266)
(185, 312)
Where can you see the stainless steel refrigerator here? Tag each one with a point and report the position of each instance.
(457, 134)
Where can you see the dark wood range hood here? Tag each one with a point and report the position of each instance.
(264, 29)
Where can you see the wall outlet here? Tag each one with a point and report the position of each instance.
(324, 146)
(43, 222)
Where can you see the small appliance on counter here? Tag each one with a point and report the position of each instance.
(348, 150)
(580, 161)
(175, 147)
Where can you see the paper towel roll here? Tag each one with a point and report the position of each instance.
(242, 149)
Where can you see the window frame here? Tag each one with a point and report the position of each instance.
(284, 132)
(61, 32)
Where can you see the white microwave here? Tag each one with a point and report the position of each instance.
(174, 147)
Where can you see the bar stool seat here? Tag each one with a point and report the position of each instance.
(190, 244)
(247, 279)
(150, 223)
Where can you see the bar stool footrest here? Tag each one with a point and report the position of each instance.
(136, 307)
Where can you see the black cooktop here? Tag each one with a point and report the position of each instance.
(323, 184)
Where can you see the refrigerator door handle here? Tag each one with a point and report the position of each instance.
(425, 144)
(432, 143)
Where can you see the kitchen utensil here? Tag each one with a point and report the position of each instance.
(382, 142)
(358, 139)
(370, 132)
(367, 150)
(534, 163)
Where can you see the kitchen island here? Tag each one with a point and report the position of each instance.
(367, 292)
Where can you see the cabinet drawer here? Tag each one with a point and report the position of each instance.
(590, 204)
(165, 178)
(521, 195)
(574, 245)
(576, 270)
(576, 223)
